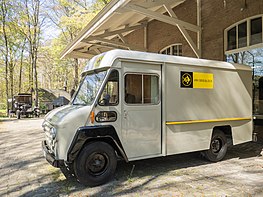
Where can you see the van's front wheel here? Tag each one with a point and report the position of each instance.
(218, 147)
(96, 164)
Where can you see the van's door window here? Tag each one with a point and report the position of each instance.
(141, 89)
(133, 88)
(150, 89)
(110, 94)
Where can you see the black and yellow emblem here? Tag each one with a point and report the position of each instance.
(186, 79)
(197, 80)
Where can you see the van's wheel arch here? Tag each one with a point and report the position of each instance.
(218, 146)
(95, 164)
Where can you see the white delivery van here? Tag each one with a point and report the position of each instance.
(135, 105)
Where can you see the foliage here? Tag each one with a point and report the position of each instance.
(30, 52)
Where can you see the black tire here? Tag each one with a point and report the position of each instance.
(68, 172)
(218, 147)
(95, 164)
(18, 114)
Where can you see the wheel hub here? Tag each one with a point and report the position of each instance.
(216, 145)
(96, 163)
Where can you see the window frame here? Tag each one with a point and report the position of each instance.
(142, 103)
(104, 86)
(171, 49)
(248, 46)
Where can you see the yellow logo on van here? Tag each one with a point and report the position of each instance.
(203, 80)
(197, 80)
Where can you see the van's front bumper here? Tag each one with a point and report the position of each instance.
(50, 157)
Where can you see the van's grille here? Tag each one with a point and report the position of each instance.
(49, 139)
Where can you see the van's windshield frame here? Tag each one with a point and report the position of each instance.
(89, 87)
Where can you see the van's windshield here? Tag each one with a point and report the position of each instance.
(88, 88)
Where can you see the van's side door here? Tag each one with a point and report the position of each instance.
(141, 110)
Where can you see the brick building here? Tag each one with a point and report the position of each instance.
(207, 29)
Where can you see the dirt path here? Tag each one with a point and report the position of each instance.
(24, 171)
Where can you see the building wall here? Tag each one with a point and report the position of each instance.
(216, 15)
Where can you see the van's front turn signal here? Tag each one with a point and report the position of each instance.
(92, 117)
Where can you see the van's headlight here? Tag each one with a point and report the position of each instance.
(53, 132)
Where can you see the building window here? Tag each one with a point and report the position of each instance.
(231, 39)
(256, 31)
(175, 49)
(244, 34)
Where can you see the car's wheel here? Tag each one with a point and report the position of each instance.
(96, 164)
(218, 147)
(18, 114)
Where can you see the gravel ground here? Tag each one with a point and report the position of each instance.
(24, 171)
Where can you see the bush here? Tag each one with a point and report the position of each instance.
(2, 113)
(2, 110)
(2, 106)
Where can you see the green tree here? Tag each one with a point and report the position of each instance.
(32, 34)
(70, 16)
(25, 51)
(10, 44)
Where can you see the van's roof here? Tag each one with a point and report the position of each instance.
(106, 60)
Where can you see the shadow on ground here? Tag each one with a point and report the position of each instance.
(146, 171)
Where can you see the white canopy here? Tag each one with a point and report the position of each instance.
(120, 17)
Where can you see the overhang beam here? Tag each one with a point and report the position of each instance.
(112, 42)
(163, 18)
(121, 37)
(95, 23)
(121, 31)
(76, 54)
(97, 45)
(184, 32)
(151, 4)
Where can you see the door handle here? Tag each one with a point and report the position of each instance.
(125, 114)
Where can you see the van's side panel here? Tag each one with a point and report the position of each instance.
(229, 98)
(243, 132)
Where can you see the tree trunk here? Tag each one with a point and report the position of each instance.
(35, 77)
(20, 75)
(76, 76)
(11, 79)
(33, 32)
(21, 68)
(4, 13)
(29, 75)
(6, 85)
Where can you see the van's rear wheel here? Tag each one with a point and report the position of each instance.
(96, 164)
(218, 147)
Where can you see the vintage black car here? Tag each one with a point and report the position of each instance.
(21, 105)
